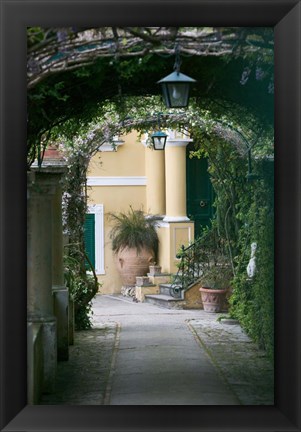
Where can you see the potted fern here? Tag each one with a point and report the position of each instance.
(135, 243)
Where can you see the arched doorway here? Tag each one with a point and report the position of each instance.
(199, 190)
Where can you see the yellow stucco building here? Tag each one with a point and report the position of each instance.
(132, 174)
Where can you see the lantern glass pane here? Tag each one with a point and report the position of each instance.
(159, 142)
(178, 94)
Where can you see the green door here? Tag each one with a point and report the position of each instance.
(199, 192)
(90, 238)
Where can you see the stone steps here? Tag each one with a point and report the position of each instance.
(165, 301)
(190, 299)
(164, 289)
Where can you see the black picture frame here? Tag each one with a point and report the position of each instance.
(284, 16)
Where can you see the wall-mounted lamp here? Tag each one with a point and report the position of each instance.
(159, 138)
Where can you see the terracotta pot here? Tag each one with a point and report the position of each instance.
(213, 299)
(131, 263)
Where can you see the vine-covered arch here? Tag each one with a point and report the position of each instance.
(87, 85)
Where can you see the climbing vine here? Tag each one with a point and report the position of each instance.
(82, 287)
(244, 214)
(252, 301)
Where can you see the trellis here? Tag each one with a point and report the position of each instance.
(53, 50)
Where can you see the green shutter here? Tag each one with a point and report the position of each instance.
(90, 238)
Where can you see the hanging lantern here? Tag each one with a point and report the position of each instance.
(175, 89)
(176, 86)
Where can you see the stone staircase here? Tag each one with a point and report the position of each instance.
(155, 287)
(187, 277)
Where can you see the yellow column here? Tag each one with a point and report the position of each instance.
(176, 228)
(175, 171)
(155, 174)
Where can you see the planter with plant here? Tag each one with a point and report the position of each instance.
(135, 244)
(216, 274)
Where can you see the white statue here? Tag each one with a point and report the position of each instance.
(251, 267)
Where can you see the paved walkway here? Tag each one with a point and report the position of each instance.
(140, 354)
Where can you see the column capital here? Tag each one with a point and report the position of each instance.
(176, 219)
(174, 139)
(177, 139)
(177, 143)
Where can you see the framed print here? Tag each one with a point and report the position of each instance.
(284, 17)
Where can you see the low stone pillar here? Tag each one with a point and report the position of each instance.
(60, 292)
(61, 312)
(142, 290)
(163, 278)
(156, 277)
(53, 168)
(34, 362)
(40, 192)
(144, 287)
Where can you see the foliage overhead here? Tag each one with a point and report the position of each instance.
(74, 73)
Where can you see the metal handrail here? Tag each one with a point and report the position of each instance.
(189, 269)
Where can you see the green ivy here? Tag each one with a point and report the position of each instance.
(245, 214)
(252, 301)
(82, 289)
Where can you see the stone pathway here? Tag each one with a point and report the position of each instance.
(140, 354)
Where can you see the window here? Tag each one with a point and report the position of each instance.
(94, 237)
(89, 236)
